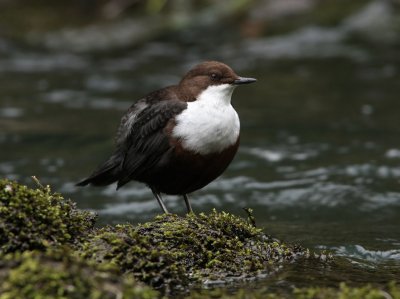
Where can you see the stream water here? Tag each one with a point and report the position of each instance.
(319, 161)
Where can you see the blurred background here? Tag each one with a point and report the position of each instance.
(319, 160)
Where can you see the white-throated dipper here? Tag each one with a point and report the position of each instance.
(177, 139)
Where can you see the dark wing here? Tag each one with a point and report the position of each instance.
(146, 143)
(109, 171)
(128, 119)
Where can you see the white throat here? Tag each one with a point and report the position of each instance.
(209, 124)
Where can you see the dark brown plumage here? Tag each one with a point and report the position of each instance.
(150, 148)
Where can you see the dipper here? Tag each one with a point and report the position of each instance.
(177, 139)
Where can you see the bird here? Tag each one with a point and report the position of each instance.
(177, 139)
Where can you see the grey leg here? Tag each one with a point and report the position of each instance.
(187, 202)
(157, 195)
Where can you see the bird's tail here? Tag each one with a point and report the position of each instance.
(106, 174)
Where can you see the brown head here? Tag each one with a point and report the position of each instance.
(210, 73)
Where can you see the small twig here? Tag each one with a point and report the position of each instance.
(37, 182)
(249, 212)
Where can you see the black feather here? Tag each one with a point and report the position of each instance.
(140, 148)
(107, 173)
(147, 142)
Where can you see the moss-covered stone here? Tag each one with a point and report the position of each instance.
(35, 218)
(133, 253)
(59, 274)
(173, 250)
(41, 234)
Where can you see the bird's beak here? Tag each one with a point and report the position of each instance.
(242, 80)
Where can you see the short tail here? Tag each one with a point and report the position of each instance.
(105, 174)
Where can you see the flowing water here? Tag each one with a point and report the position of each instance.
(319, 161)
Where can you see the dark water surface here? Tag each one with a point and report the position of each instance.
(319, 160)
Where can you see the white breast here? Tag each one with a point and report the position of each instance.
(209, 124)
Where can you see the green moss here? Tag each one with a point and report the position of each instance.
(57, 274)
(35, 218)
(123, 246)
(172, 249)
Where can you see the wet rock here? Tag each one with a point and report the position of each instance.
(39, 227)
(174, 251)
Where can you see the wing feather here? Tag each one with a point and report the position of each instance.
(146, 143)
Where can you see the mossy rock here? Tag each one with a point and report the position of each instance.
(61, 274)
(139, 255)
(167, 253)
(35, 218)
(173, 250)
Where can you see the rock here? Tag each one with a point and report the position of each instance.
(174, 251)
(42, 234)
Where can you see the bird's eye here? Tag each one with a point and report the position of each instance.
(214, 76)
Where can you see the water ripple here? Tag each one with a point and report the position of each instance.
(11, 112)
(277, 155)
(80, 99)
(360, 252)
(33, 63)
(306, 193)
(393, 153)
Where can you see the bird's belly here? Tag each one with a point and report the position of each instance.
(184, 171)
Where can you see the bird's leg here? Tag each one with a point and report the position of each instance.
(187, 202)
(157, 195)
